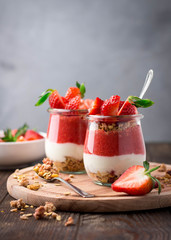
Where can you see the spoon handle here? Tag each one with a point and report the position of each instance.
(147, 82)
(76, 189)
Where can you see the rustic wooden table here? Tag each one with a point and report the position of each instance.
(153, 224)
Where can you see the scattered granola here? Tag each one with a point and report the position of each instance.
(23, 217)
(67, 193)
(39, 212)
(58, 217)
(34, 186)
(54, 215)
(49, 207)
(70, 221)
(162, 168)
(23, 181)
(46, 170)
(14, 210)
(19, 204)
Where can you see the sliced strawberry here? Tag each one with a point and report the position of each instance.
(64, 100)
(32, 135)
(71, 93)
(121, 104)
(110, 106)
(55, 100)
(136, 180)
(96, 106)
(88, 103)
(74, 103)
(127, 109)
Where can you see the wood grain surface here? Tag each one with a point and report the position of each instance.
(105, 200)
(148, 224)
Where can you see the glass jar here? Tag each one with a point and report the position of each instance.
(112, 145)
(65, 139)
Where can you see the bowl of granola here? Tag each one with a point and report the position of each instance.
(21, 146)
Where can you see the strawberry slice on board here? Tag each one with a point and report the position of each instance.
(110, 106)
(32, 135)
(96, 106)
(137, 180)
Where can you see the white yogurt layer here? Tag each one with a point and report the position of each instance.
(119, 164)
(58, 151)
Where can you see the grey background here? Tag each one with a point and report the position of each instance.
(110, 45)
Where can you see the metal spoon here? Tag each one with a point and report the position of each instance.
(147, 82)
(76, 189)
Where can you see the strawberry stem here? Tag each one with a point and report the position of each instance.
(44, 96)
(151, 170)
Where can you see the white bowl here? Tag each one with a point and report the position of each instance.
(20, 153)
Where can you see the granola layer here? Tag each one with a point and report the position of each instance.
(103, 177)
(70, 165)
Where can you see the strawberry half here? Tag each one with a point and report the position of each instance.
(55, 100)
(32, 135)
(136, 180)
(71, 93)
(96, 107)
(74, 103)
(110, 106)
(127, 109)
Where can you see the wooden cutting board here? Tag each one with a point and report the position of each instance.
(105, 200)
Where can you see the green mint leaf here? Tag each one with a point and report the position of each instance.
(82, 90)
(8, 136)
(21, 131)
(138, 102)
(48, 90)
(146, 165)
(78, 84)
(43, 98)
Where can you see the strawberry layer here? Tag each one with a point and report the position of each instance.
(67, 129)
(115, 143)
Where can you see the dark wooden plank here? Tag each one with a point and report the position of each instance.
(12, 227)
(3, 179)
(138, 225)
(159, 152)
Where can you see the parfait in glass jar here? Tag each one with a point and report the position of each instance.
(114, 140)
(67, 128)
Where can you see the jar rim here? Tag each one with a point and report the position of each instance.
(121, 117)
(60, 111)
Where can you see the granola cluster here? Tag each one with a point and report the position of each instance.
(103, 177)
(70, 165)
(19, 204)
(47, 170)
(119, 126)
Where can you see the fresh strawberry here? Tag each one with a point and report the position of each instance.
(121, 104)
(127, 109)
(21, 139)
(1, 140)
(96, 106)
(71, 93)
(64, 100)
(110, 106)
(74, 103)
(55, 100)
(88, 103)
(14, 131)
(32, 135)
(136, 180)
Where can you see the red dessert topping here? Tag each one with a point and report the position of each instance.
(96, 106)
(110, 106)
